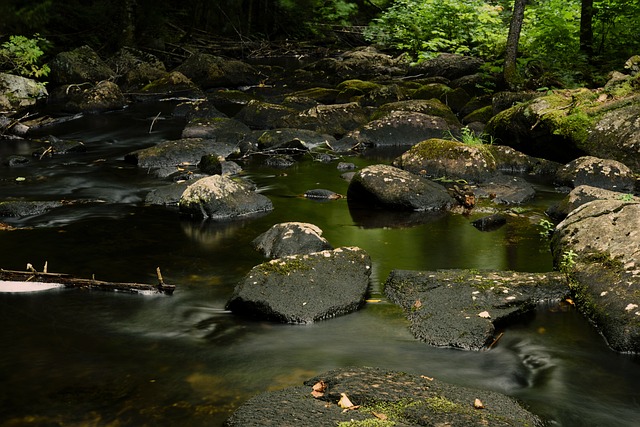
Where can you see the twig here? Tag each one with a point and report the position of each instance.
(495, 341)
(154, 121)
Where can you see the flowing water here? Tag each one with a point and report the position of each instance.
(73, 357)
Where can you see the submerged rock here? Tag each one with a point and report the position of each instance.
(380, 398)
(460, 308)
(304, 288)
(291, 238)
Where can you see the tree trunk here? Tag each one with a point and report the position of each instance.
(586, 28)
(128, 23)
(510, 71)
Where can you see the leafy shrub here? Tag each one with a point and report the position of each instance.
(21, 55)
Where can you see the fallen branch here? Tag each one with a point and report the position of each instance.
(73, 282)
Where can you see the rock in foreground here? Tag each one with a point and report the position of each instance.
(380, 398)
(304, 288)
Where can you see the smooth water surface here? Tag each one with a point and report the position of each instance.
(72, 357)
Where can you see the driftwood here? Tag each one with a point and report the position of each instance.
(31, 275)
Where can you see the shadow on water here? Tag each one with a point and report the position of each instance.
(72, 357)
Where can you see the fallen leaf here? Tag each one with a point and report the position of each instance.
(318, 389)
(344, 402)
(417, 304)
(485, 315)
(426, 377)
(478, 404)
(570, 301)
(380, 416)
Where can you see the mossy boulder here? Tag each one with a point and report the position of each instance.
(262, 115)
(172, 83)
(448, 65)
(439, 158)
(136, 68)
(334, 119)
(291, 238)
(104, 96)
(208, 71)
(81, 65)
(598, 246)
(596, 172)
(17, 93)
(351, 90)
(432, 107)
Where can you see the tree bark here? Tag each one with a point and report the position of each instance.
(586, 28)
(510, 71)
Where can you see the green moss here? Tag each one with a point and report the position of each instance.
(394, 411)
(284, 267)
(358, 85)
(442, 404)
(370, 422)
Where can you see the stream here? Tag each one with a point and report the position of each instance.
(75, 357)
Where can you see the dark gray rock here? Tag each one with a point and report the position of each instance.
(217, 129)
(509, 160)
(322, 194)
(171, 84)
(304, 288)
(201, 109)
(87, 98)
(22, 208)
(432, 107)
(398, 128)
(598, 246)
(209, 71)
(168, 157)
(460, 308)
(220, 198)
(81, 65)
(297, 140)
(210, 164)
(490, 222)
(596, 172)
(18, 93)
(335, 119)
(385, 398)
(168, 195)
(136, 68)
(584, 194)
(393, 188)
(262, 115)
(291, 238)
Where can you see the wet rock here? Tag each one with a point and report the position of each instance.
(460, 308)
(584, 194)
(322, 194)
(280, 161)
(18, 93)
(198, 109)
(399, 399)
(397, 128)
(136, 68)
(490, 222)
(168, 195)
(210, 164)
(448, 65)
(393, 188)
(506, 190)
(15, 161)
(296, 140)
(335, 119)
(454, 160)
(167, 157)
(219, 198)
(304, 288)
(221, 129)
(104, 96)
(173, 84)
(22, 208)
(353, 89)
(482, 115)
(81, 65)
(511, 161)
(383, 95)
(291, 238)
(598, 245)
(209, 71)
(262, 115)
(345, 166)
(432, 107)
(58, 146)
(596, 172)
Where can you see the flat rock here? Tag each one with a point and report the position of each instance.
(304, 288)
(460, 308)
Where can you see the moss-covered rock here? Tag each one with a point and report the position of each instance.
(432, 107)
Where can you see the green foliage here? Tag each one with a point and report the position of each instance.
(568, 261)
(22, 55)
(546, 228)
(469, 137)
(426, 27)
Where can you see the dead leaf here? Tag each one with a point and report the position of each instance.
(478, 404)
(426, 377)
(318, 389)
(484, 315)
(417, 304)
(344, 402)
(380, 416)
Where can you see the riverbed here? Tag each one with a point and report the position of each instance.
(77, 357)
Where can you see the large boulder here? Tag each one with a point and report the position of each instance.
(596, 172)
(103, 96)
(219, 197)
(335, 119)
(262, 115)
(173, 83)
(432, 107)
(294, 140)
(584, 194)
(392, 188)
(17, 93)
(81, 65)
(380, 398)
(304, 288)
(439, 158)
(208, 71)
(291, 238)
(598, 246)
(460, 308)
(136, 69)
(221, 129)
(398, 128)
(168, 157)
